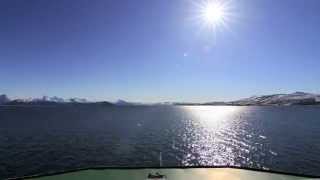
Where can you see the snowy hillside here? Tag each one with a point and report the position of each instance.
(301, 98)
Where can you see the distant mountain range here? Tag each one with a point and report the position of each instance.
(297, 98)
(126, 103)
(45, 100)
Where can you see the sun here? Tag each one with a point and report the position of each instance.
(213, 14)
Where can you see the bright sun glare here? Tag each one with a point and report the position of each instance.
(213, 14)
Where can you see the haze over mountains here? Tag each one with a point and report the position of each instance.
(297, 98)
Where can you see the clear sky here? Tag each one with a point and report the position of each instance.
(154, 50)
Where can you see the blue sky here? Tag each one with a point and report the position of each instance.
(152, 51)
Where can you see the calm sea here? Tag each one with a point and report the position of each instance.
(37, 140)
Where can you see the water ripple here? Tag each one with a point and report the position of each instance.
(256, 137)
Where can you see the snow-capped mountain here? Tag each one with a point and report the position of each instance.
(121, 102)
(76, 100)
(301, 98)
(43, 100)
(56, 99)
(47, 99)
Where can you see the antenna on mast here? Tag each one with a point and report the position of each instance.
(160, 158)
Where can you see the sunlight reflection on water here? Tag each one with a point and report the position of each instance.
(214, 133)
(213, 117)
(73, 137)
